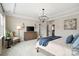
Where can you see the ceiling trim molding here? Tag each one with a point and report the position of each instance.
(22, 17)
(2, 7)
(71, 12)
(74, 15)
(14, 8)
(2, 11)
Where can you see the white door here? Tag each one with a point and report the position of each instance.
(43, 30)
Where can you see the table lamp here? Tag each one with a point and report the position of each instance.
(19, 28)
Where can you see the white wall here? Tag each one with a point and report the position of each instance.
(59, 25)
(13, 22)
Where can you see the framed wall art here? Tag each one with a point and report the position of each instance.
(70, 24)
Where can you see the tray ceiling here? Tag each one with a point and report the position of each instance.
(33, 10)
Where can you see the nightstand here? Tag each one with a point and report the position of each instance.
(8, 40)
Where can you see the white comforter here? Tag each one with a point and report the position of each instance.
(57, 47)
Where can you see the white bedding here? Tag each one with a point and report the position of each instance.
(57, 47)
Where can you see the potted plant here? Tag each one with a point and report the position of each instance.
(8, 36)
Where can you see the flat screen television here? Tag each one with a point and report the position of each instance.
(30, 28)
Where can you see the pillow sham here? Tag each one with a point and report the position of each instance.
(76, 43)
(75, 37)
(69, 39)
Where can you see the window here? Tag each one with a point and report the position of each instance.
(1, 25)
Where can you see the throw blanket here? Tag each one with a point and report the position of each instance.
(44, 41)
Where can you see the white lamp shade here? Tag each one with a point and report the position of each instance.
(52, 28)
(18, 27)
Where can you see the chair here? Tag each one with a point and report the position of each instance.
(15, 39)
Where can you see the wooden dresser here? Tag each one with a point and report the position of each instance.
(30, 35)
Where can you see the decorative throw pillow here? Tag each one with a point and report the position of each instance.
(69, 39)
(75, 37)
(76, 43)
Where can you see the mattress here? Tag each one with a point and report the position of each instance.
(57, 47)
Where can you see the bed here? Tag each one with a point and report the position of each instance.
(56, 47)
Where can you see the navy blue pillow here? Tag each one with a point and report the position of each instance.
(69, 39)
(75, 38)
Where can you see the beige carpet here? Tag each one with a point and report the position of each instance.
(25, 48)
